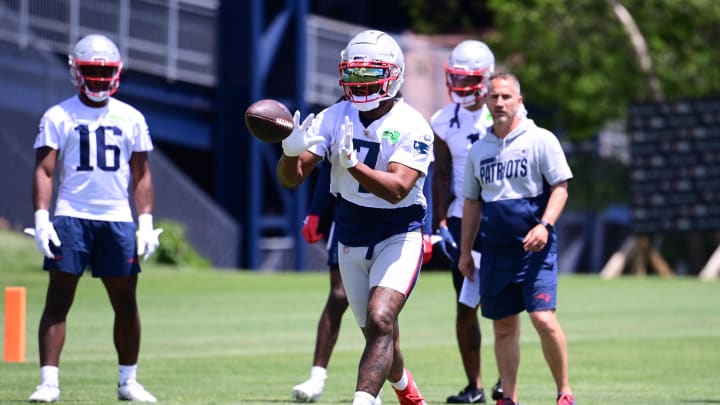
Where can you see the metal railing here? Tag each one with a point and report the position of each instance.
(174, 39)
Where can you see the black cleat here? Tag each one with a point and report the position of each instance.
(469, 395)
(497, 391)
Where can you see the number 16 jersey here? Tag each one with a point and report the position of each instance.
(94, 148)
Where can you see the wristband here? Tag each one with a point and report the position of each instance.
(145, 221)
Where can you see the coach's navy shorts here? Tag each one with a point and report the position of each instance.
(108, 248)
(510, 284)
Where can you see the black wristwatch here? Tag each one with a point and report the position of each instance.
(547, 226)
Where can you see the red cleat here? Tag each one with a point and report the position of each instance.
(410, 395)
(566, 399)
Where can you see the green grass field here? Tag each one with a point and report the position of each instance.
(225, 337)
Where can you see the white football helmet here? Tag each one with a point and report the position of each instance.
(371, 69)
(95, 67)
(469, 65)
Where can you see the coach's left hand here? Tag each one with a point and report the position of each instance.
(536, 239)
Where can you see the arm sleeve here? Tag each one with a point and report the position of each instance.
(321, 195)
(143, 142)
(553, 163)
(48, 132)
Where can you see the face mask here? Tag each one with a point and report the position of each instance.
(97, 96)
(366, 106)
(467, 101)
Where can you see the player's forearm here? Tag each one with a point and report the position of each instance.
(441, 202)
(45, 160)
(144, 195)
(441, 186)
(42, 191)
(289, 172)
(391, 187)
(472, 212)
(292, 171)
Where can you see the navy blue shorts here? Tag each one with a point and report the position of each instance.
(510, 284)
(108, 248)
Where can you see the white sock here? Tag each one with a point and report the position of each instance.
(402, 384)
(363, 398)
(126, 373)
(50, 375)
(318, 374)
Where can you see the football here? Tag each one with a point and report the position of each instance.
(269, 120)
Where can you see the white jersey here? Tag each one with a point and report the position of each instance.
(94, 149)
(402, 135)
(459, 128)
(512, 176)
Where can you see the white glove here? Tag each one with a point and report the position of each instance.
(44, 233)
(347, 155)
(298, 141)
(147, 237)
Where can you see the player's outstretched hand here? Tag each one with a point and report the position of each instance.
(447, 242)
(310, 229)
(147, 238)
(347, 155)
(44, 233)
(298, 141)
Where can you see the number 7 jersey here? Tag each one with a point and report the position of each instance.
(402, 135)
(94, 148)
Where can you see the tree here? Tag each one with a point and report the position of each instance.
(576, 57)
(576, 60)
(582, 63)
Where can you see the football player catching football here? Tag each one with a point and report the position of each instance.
(380, 149)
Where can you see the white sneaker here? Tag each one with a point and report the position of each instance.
(133, 391)
(309, 391)
(45, 393)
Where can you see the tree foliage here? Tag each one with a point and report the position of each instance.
(575, 60)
